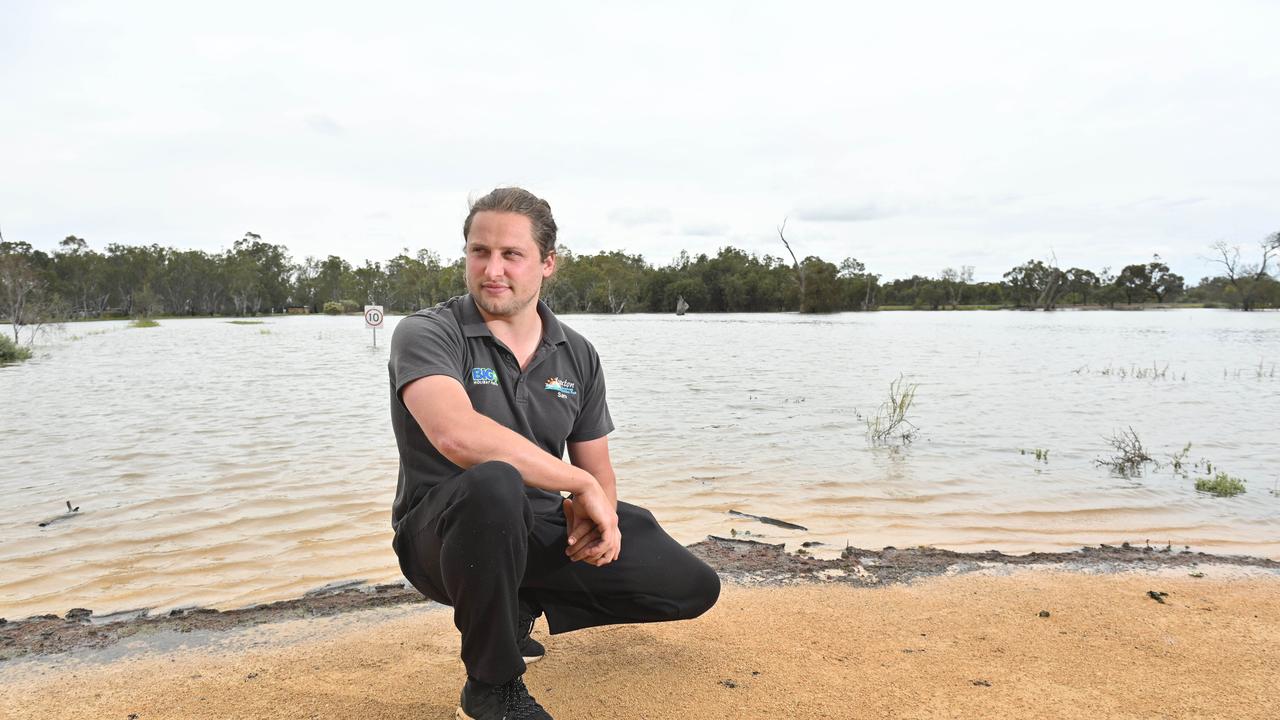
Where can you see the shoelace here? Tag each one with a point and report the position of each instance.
(519, 704)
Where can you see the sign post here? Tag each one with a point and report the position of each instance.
(373, 320)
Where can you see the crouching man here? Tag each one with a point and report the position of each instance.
(488, 390)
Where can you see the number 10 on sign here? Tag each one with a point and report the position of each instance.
(373, 320)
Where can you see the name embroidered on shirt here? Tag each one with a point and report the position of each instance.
(483, 376)
(563, 388)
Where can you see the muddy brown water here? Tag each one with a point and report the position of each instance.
(224, 465)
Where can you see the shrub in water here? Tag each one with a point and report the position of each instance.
(12, 352)
(1222, 485)
(333, 308)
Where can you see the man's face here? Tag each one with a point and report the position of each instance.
(504, 270)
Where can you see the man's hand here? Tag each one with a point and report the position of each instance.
(592, 525)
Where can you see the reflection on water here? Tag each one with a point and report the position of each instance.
(215, 464)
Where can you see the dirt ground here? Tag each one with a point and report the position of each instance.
(985, 641)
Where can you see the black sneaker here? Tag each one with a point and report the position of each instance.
(499, 702)
(531, 650)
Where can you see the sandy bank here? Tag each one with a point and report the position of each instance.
(971, 645)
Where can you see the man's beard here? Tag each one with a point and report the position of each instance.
(502, 308)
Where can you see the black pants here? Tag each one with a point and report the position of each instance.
(474, 542)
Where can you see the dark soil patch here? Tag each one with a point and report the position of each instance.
(739, 561)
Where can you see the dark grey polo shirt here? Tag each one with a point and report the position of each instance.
(559, 398)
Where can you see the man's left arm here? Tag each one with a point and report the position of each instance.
(593, 456)
(585, 541)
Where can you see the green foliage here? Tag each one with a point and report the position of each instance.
(333, 308)
(257, 277)
(1221, 485)
(245, 322)
(143, 323)
(1040, 454)
(1179, 460)
(890, 421)
(11, 352)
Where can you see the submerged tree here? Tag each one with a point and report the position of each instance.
(1248, 280)
(25, 298)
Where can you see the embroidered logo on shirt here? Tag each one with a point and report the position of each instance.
(483, 376)
(562, 388)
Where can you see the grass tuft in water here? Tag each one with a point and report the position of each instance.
(1221, 485)
(143, 323)
(245, 322)
(1041, 454)
(1179, 460)
(890, 422)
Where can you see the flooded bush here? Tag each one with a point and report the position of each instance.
(144, 323)
(11, 352)
(1221, 485)
(1128, 456)
(333, 308)
(890, 421)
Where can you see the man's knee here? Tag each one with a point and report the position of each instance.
(702, 591)
(494, 486)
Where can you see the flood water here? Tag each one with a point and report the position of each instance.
(221, 464)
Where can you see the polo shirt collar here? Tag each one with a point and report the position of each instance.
(473, 322)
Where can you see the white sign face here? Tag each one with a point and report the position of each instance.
(373, 316)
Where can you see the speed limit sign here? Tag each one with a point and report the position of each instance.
(373, 316)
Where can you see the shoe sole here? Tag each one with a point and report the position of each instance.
(531, 660)
(460, 715)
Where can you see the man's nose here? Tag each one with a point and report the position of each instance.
(493, 266)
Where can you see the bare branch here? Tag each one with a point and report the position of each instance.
(1229, 260)
(799, 268)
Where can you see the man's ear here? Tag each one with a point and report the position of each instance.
(549, 265)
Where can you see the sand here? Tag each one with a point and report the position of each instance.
(968, 646)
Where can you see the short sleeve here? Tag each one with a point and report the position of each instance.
(593, 419)
(424, 345)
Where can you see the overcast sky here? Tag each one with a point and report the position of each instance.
(913, 137)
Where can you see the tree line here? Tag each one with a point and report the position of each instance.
(257, 277)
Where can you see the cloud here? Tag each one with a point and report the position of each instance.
(632, 217)
(325, 125)
(843, 212)
(704, 229)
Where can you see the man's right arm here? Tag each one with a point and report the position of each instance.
(466, 438)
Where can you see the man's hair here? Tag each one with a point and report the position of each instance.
(522, 202)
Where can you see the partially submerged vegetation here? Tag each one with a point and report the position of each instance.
(12, 352)
(245, 322)
(1040, 454)
(1129, 458)
(890, 423)
(1137, 372)
(1221, 485)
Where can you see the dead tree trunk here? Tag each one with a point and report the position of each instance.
(799, 268)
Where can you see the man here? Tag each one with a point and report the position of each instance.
(488, 390)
